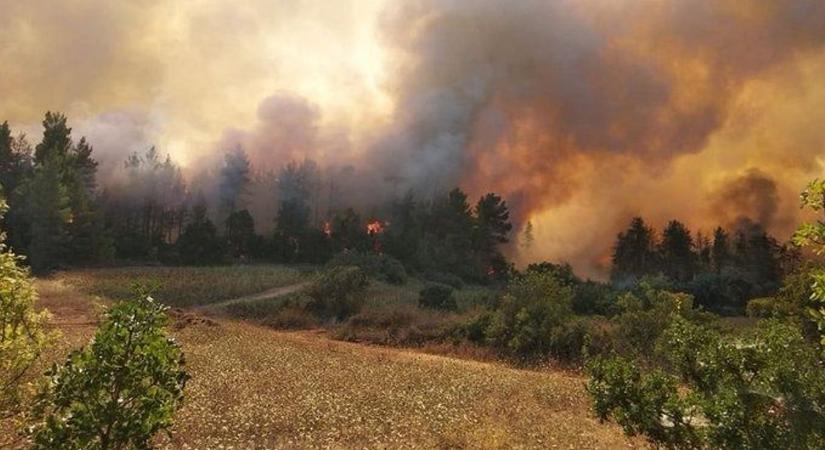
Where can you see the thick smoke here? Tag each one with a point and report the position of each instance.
(582, 113)
(546, 101)
(509, 95)
(751, 196)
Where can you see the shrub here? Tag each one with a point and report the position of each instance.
(22, 337)
(591, 297)
(762, 307)
(763, 393)
(118, 392)
(398, 325)
(339, 293)
(646, 314)
(725, 292)
(529, 320)
(437, 296)
(380, 266)
(286, 312)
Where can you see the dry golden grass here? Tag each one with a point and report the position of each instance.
(253, 387)
(256, 388)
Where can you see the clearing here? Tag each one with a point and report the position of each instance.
(254, 387)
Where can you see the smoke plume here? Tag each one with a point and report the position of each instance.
(581, 114)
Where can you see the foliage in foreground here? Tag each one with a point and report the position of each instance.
(766, 392)
(812, 235)
(22, 337)
(120, 391)
(533, 317)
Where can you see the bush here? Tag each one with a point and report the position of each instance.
(763, 393)
(762, 308)
(591, 298)
(22, 335)
(380, 266)
(398, 325)
(646, 314)
(437, 296)
(286, 312)
(118, 392)
(339, 293)
(532, 315)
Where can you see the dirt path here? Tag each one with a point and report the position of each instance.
(254, 387)
(267, 294)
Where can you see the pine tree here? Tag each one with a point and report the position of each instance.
(676, 252)
(49, 213)
(234, 183)
(634, 254)
(240, 230)
(720, 252)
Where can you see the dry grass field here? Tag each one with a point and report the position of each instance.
(254, 388)
(187, 286)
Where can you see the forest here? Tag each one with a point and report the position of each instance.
(409, 273)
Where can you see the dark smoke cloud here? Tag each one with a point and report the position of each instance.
(753, 196)
(519, 90)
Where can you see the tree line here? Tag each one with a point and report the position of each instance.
(59, 215)
(722, 271)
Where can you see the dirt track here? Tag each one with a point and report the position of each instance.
(253, 387)
(267, 294)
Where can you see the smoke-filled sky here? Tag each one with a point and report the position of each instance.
(582, 113)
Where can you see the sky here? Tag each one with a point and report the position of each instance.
(581, 113)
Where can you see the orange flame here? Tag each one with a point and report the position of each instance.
(375, 227)
(327, 229)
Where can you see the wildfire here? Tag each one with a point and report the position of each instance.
(327, 229)
(375, 227)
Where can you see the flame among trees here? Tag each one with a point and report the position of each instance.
(59, 215)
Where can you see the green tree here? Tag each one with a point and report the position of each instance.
(240, 232)
(119, 391)
(676, 252)
(757, 256)
(812, 235)
(720, 250)
(49, 214)
(634, 254)
(56, 139)
(493, 221)
(761, 392)
(88, 239)
(15, 159)
(532, 316)
(348, 232)
(199, 243)
(492, 228)
(448, 242)
(405, 231)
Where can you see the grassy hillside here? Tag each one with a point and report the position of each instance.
(253, 387)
